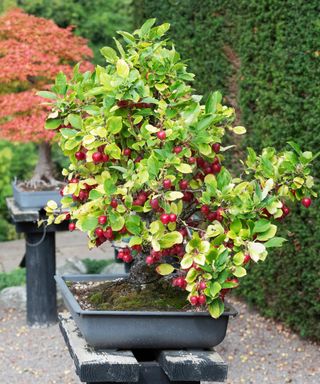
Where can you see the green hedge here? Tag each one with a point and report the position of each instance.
(196, 36)
(279, 98)
(277, 43)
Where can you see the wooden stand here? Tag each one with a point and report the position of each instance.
(40, 264)
(140, 366)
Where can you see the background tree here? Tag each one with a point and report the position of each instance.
(32, 52)
(95, 20)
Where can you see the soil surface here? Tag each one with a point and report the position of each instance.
(25, 187)
(257, 351)
(121, 295)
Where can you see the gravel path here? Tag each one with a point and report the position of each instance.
(257, 351)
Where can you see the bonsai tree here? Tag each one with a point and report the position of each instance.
(147, 161)
(32, 52)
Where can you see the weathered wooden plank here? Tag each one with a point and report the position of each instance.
(21, 215)
(98, 366)
(193, 365)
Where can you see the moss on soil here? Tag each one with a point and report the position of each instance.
(124, 296)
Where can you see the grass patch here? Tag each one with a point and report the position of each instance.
(96, 266)
(14, 278)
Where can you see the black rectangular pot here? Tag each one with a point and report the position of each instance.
(34, 199)
(142, 329)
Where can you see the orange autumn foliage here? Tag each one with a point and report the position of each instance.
(33, 51)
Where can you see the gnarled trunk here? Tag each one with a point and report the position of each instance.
(43, 175)
(140, 272)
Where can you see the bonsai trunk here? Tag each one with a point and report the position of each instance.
(43, 175)
(141, 273)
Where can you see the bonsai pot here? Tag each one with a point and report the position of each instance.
(34, 199)
(143, 329)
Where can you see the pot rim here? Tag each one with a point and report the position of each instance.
(61, 281)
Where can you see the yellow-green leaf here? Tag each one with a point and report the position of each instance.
(122, 68)
(239, 130)
(174, 195)
(184, 168)
(164, 269)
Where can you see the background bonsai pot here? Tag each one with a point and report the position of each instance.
(34, 199)
(142, 329)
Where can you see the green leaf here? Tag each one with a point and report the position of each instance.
(53, 123)
(216, 308)
(109, 187)
(295, 146)
(261, 226)
(60, 83)
(75, 120)
(113, 151)
(205, 149)
(186, 262)
(205, 123)
(145, 29)
(153, 165)
(213, 100)
(239, 130)
(116, 221)
(94, 194)
(184, 168)
(160, 30)
(68, 132)
(215, 229)
(133, 224)
(109, 54)
(275, 242)
(120, 169)
(236, 226)
(114, 124)
(174, 195)
(165, 269)
(200, 259)
(238, 258)
(215, 288)
(135, 240)
(191, 275)
(92, 109)
(170, 239)
(239, 271)
(89, 223)
(47, 95)
(222, 258)
(127, 36)
(71, 144)
(122, 68)
(264, 236)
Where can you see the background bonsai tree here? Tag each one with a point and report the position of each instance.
(147, 161)
(32, 52)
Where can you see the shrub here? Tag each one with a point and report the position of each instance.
(147, 160)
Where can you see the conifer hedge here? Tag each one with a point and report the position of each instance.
(278, 86)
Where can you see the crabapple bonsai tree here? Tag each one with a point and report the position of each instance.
(32, 52)
(147, 162)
